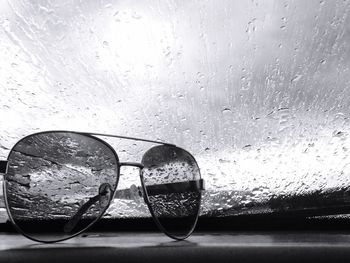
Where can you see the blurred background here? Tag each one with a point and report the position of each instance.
(258, 91)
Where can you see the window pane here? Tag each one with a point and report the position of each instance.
(258, 91)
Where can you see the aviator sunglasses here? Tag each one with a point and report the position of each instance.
(57, 184)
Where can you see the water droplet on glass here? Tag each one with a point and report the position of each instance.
(296, 78)
(226, 110)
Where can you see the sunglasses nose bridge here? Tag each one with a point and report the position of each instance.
(140, 166)
(133, 164)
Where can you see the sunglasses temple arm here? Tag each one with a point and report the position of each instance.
(104, 191)
(82, 210)
(136, 192)
(179, 187)
(120, 194)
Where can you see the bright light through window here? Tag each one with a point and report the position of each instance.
(257, 91)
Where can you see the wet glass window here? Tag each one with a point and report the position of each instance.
(258, 91)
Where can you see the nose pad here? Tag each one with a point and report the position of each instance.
(105, 192)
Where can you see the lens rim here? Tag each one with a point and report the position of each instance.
(18, 228)
(146, 197)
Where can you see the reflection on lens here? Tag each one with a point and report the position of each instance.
(171, 178)
(54, 181)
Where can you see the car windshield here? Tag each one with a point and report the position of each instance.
(258, 91)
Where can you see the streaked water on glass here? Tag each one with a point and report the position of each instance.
(258, 91)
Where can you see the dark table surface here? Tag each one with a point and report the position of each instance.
(331, 246)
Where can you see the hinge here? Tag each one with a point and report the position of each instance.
(201, 184)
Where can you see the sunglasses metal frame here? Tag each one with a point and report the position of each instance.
(199, 184)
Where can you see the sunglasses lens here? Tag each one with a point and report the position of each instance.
(171, 178)
(59, 183)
